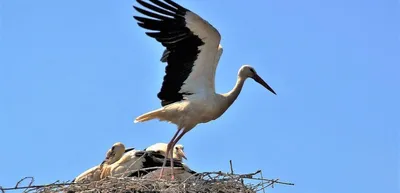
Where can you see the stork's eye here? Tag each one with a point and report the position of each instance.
(176, 148)
(252, 70)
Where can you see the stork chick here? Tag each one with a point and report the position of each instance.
(178, 152)
(112, 155)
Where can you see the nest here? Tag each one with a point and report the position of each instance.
(201, 182)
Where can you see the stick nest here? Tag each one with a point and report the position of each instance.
(201, 182)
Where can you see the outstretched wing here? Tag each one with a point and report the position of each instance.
(191, 48)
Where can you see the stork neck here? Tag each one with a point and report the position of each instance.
(232, 95)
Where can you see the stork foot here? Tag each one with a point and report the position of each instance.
(161, 174)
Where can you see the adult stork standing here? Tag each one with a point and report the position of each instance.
(192, 53)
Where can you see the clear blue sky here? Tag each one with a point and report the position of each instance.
(74, 75)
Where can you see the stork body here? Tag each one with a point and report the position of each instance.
(192, 54)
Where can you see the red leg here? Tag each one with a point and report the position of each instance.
(171, 155)
(167, 153)
(173, 145)
(178, 138)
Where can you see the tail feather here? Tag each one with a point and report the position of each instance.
(148, 116)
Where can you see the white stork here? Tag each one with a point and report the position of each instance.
(112, 155)
(192, 53)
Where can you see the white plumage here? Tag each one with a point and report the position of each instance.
(112, 155)
(92, 174)
(192, 54)
(122, 167)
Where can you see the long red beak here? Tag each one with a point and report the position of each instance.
(262, 82)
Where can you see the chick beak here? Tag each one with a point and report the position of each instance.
(182, 154)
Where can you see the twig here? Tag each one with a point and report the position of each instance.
(272, 183)
(230, 163)
(250, 175)
(30, 183)
(263, 187)
(34, 186)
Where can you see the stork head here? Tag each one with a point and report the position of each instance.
(115, 153)
(178, 152)
(162, 148)
(247, 71)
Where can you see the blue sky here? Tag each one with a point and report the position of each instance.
(74, 75)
